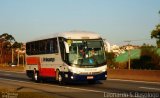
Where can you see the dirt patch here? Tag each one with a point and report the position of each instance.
(139, 75)
(19, 68)
(14, 91)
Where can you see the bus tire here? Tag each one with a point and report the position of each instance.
(59, 77)
(36, 76)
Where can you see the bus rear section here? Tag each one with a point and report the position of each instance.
(67, 57)
(42, 58)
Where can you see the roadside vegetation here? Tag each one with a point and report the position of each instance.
(149, 59)
(156, 35)
(149, 56)
(10, 50)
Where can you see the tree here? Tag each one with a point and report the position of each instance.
(8, 45)
(17, 45)
(110, 59)
(6, 42)
(156, 34)
(7, 37)
(149, 59)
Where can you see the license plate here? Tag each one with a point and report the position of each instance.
(89, 77)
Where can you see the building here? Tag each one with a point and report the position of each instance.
(122, 49)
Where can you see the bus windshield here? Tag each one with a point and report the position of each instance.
(86, 53)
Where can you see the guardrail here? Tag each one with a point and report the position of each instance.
(139, 75)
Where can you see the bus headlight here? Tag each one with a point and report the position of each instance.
(72, 77)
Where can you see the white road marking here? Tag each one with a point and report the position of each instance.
(96, 91)
(158, 89)
(135, 81)
(88, 90)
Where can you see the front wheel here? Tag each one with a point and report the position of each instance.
(59, 77)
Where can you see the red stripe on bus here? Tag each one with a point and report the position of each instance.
(50, 72)
(33, 61)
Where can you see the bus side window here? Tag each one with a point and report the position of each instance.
(32, 48)
(36, 51)
(51, 46)
(55, 47)
(28, 49)
(42, 47)
(48, 46)
(62, 48)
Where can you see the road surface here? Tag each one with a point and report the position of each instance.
(109, 88)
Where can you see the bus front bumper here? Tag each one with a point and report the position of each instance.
(79, 77)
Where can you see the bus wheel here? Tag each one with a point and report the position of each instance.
(59, 77)
(36, 76)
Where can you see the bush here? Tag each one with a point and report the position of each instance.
(149, 59)
(123, 65)
(110, 59)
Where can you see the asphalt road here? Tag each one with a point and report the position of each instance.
(109, 88)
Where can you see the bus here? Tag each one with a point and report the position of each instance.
(67, 56)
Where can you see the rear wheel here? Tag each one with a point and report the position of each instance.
(36, 76)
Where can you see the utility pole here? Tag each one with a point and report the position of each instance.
(12, 56)
(23, 59)
(1, 52)
(129, 55)
(18, 58)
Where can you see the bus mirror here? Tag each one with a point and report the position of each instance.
(67, 47)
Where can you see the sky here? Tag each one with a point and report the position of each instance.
(115, 20)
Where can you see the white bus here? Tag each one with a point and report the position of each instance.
(67, 56)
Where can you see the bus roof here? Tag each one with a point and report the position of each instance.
(71, 35)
